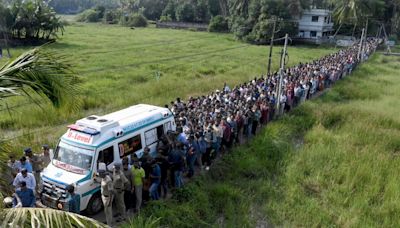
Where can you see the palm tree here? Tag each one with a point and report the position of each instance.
(46, 218)
(43, 73)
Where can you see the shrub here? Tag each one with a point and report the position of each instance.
(218, 24)
(137, 20)
(89, 15)
(112, 16)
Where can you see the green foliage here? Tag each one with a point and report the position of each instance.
(185, 12)
(112, 16)
(169, 10)
(218, 24)
(43, 73)
(136, 20)
(92, 15)
(30, 20)
(41, 217)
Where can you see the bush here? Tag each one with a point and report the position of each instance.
(137, 20)
(89, 15)
(218, 24)
(112, 16)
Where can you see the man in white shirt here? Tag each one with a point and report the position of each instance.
(27, 177)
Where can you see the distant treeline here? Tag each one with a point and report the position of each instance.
(249, 20)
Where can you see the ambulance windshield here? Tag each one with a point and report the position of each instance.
(73, 159)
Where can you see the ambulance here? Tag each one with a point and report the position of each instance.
(100, 141)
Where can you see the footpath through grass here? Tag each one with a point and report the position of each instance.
(118, 66)
(333, 161)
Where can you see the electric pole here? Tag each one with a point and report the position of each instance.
(270, 47)
(360, 46)
(278, 103)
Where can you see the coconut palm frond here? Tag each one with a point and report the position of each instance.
(44, 217)
(42, 72)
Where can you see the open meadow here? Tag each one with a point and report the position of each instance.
(333, 161)
(120, 67)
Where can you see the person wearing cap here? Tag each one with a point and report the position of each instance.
(24, 196)
(73, 199)
(45, 156)
(36, 162)
(25, 164)
(119, 182)
(107, 195)
(27, 177)
(138, 175)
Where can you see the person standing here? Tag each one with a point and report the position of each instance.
(26, 177)
(137, 183)
(36, 162)
(107, 192)
(25, 164)
(119, 182)
(155, 177)
(45, 156)
(128, 196)
(177, 162)
(14, 165)
(74, 200)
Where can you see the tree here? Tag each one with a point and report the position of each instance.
(42, 73)
(185, 12)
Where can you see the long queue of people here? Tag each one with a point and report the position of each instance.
(208, 126)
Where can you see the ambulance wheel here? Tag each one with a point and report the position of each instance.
(95, 204)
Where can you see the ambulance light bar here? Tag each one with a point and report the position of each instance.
(86, 130)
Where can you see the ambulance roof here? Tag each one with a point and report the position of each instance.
(96, 130)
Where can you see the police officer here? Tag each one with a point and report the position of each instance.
(107, 193)
(119, 181)
(36, 162)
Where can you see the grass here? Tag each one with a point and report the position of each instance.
(118, 67)
(331, 162)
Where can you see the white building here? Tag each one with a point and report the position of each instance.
(315, 24)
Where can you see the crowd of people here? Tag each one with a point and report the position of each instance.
(207, 126)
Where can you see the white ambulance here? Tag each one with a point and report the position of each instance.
(99, 140)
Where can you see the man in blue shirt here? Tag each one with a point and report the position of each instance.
(24, 197)
(25, 164)
(74, 200)
(155, 177)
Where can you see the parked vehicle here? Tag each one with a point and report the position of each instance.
(100, 140)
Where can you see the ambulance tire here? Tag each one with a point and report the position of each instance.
(95, 204)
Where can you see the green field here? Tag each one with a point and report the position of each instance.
(333, 161)
(118, 68)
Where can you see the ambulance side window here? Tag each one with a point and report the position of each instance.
(130, 146)
(151, 136)
(106, 156)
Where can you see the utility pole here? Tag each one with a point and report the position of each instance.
(278, 103)
(360, 46)
(270, 47)
(365, 38)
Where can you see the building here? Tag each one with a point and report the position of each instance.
(315, 24)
